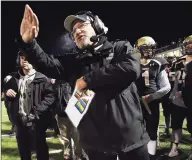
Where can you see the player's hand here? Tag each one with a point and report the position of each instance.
(147, 98)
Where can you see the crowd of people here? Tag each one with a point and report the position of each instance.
(129, 84)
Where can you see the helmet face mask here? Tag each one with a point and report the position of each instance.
(146, 46)
(146, 51)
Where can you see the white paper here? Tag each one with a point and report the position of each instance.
(78, 105)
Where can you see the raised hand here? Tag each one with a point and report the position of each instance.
(29, 28)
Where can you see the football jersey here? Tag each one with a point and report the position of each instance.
(171, 76)
(181, 75)
(178, 87)
(147, 82)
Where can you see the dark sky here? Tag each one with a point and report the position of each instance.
(164, 21)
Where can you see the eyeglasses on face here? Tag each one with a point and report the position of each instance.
(80, 26)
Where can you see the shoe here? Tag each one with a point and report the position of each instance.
(173, 153)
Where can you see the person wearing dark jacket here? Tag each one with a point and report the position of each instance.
(113, 125)
(187, 90)
(165, 101)
(34, 96)
(67, 131)
(10, 103)
(179, 111)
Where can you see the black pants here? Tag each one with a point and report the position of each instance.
(11, 112)
(140, 153)
(27, 137)
(178, 115)
(152, 120)
(166, 104)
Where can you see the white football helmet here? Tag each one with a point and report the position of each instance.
(146, 46)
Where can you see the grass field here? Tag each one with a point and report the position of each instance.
(9, 148)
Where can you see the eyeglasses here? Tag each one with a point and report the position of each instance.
(80, 26)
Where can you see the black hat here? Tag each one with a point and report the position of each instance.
(69, 21)
(22, 53)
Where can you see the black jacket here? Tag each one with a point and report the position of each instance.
(187, 89)
(40, 90)
(11, 103)
(114, 120)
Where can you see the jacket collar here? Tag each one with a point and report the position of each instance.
(102, 48)
(39, 77)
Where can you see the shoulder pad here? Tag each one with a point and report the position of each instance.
(163, 62)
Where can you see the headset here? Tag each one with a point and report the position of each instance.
(96, 22)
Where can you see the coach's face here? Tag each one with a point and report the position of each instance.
(82, 32)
